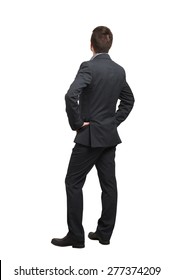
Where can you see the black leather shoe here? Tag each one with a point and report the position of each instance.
(95, 236)
(67, 241)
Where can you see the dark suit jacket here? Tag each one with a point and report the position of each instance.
(93, 96)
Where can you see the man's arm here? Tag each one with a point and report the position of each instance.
(82, 80)
(126, 103)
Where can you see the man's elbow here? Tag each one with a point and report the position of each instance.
(67, 97)
(132, 100)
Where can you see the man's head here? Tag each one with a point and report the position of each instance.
(101, 39)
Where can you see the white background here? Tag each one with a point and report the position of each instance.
(42, 46)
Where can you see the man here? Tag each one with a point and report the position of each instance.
(91, 108)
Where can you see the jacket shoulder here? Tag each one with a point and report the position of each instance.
(118, 66)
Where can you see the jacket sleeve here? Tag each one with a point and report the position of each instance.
(82, 80)
(126, 103)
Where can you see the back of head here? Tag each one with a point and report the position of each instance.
(101, 39)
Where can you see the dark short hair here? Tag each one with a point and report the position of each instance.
(101, 39)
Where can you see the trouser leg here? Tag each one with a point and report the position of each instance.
(81, 161)
(106, 173)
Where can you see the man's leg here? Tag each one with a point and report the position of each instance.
(106, 171)
(82, 160)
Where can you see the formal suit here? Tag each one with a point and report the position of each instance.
(92, 97)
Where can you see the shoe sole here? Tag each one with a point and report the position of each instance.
(73, 245)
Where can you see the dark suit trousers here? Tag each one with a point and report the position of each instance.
(82, 159)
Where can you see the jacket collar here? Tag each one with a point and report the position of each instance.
(101, 56)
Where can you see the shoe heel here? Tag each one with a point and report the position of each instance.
(104, 242)
(78, 246)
